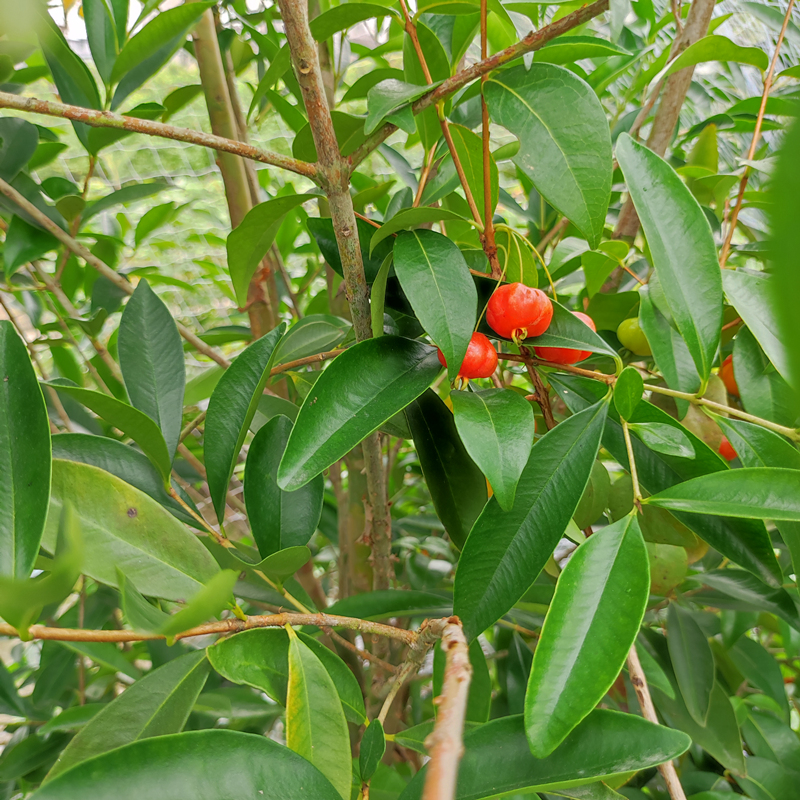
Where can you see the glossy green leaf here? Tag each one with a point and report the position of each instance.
(387, 97)
(761, 671)
(664, 439)
(18, 141)
(716, 48)
(359, 391)
(568, 49)
(315, 724)
(373, 746)
(599, 264)
(393, 603)
(155, 705)
(591, 625)
(72, 719)
(152, 47)
(681, 246)
(122, 527)
(435, 278)
(102, 36)
(127, 194)
(769, 737)
(377, 297)
(249, 242)
(605, 744)
(692, 661)
(207, 604)
(25, 243)
(456, 484)
(497, 428)
(151, 359)
(628, 392)
(410, 218)
(230, 411)
(140, 614)
(506, 550)
(277, 567)
(24, 457)
(278, 519)
(312, 334)
(469, 149)
(565, 144)
(754, 492)
(212, 763)
(260, 658)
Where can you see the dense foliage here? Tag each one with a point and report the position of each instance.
(440, 440)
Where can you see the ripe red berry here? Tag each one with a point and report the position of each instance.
(726, 449)
(726, 373)
(563, 355)
(480, 360)
(517, 309)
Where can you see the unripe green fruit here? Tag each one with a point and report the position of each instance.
(668, 567)
(631, 335)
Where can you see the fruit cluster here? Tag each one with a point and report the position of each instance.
(516, 312)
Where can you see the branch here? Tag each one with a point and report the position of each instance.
(667, 769)
(445, 744)
(535, 40)
(107, 119)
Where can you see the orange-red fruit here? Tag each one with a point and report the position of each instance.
(480, 360)
(516, 307)
(563, 355)
(726, 449)
(726, 373)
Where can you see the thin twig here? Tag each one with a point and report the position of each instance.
(637, 492)
(191, 425)
(488, 237)
(542, 395)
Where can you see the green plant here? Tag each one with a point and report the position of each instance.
(247, 500)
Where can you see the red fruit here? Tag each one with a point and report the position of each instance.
(726, 449)
(563, 355)
(480, 360)
(726, 373)
(516, 308)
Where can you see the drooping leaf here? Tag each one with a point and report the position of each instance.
(360, 390)
(278, 519)
(393, 603)
(156, 705)
(497, 428)
(662, 438)
(230, 411)
(435, 278)
(692, 661)
(389, 96)
(506, 550)
(122, 527)
(568, 49)
(716, 48)
(565, 144)
(628, 392)
(682, 248)
(373, 746)
(211, 763)
(591, 625)
(25, 457)
(127, 194)
(312, 334)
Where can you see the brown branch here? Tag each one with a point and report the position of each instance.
(535, 40)
(326, 356)
(726, 247)
(538, 362)
(445, 744)
(542, 395)
(487, 238)
(667, 769)
(93, 261)
(107, 119)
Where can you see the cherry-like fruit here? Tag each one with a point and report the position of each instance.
(631, 335)
(480, 360)
(564, 355)
(728, 378)
(516, 311)
(726, 449)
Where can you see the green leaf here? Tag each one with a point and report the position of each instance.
(408, 218)
(207, 604)
(211, 763)
(373, 746)
(662, 438)
(469, 149)
(479, 700)
(761, 670)
(312, 334)
(605, 744)
(628, 392)
(768, 737)
(152, 47)
(692, 661)
(127, 419)
(569, 49)
(591, 625)
(230, 411)
(321, 228)
(515, 258)
(715, 48)
(599, 264)
(151, 359)
(387, 97)
(377, 297)
(754, 492)
(435, 278)
(122, 527)
(277, 567)
(250, 241)
(72, 719)
(506, 550)
(278, 519)
(456, 485)
(127, 194)
(565, 144)
(359, 391)
(260, 658)
(315, 724)
(102, 35)
(24, 457)
(25, 243)
(393, 603)
(681, 246)
(332, 21)
(497, 428)
(18, 142)
(140, 614)
(155, 218)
